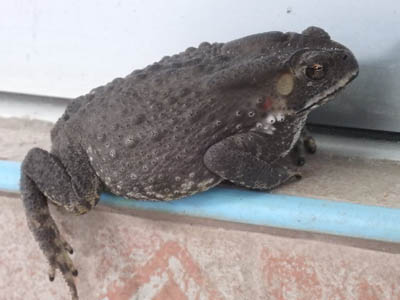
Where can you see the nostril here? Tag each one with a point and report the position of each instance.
(345, 57)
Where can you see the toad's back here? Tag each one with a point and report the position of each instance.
(146, 134)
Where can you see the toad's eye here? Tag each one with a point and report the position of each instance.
(316, 72)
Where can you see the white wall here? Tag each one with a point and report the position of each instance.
(65, 48)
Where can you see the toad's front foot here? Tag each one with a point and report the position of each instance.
(306, 143)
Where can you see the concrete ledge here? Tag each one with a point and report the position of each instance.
(259, 208)
(123, 257)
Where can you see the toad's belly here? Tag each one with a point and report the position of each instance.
(162, 179)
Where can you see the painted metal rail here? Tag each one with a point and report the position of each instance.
(260, 208)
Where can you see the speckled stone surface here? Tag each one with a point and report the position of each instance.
(123, 257)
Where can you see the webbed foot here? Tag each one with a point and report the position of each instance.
(45, 231)
(57, 252)
(44, 178)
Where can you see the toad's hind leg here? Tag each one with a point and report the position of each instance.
(73, 186)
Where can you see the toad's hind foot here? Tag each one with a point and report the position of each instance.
(57, 253)
(53, 246)
(44, 178)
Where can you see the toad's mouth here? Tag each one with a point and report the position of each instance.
(319, 102)
(328, 94)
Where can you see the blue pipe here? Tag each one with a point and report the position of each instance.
(260, 208)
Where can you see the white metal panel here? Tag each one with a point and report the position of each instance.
(65, 48)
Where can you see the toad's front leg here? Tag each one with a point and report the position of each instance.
(233, 160)
(306, 143)
(44, 178)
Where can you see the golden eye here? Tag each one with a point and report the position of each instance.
(316, 72)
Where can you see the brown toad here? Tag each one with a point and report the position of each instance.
(181, 126)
